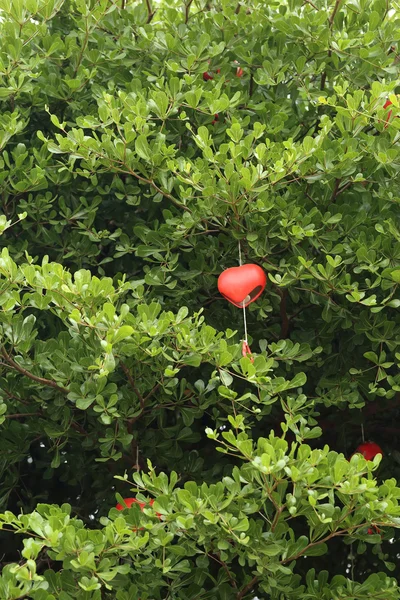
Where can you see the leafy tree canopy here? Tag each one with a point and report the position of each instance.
(142, 145)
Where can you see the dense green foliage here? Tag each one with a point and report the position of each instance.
(123, 197)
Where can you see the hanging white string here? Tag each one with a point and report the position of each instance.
(244, 308)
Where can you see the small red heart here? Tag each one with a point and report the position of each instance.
(386, 105)
(242, 285)
(369, 450)
(129, 501)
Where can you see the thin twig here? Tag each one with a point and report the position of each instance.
(284, 317)
(153, 391)
(247, 588)
(187, 11)
(311, 4)
(299, 311)
(331, 19)
(20, 415)
(333, 15)
(225, 567)
(150, 12)
(335, 191)
(23, 371)
(251, 85)
(133, 384)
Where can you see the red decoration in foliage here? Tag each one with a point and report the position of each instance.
(374, 530)
(386, 105)
(130, 501)
(369, 450)
(216, 118)
(207, 76)
(239, 72)
(242, 285)
(246, 350)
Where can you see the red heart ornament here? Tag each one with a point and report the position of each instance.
(129, 501)
(386, 105)
(369, 450)
(242, 285)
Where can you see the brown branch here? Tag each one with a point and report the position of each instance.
(348, 184)
(20, 415)
(294, 315)
(331, 19)
(323, 78)
(335, 191)
(251, 85)
(133, 384)
(328, 537)
(155, 186)
(247, 588)
(311, 4)
(187, 11)
(83, 48)
(23, 371)
(78, 427)
(278, 513)
(284, 317)
(333, 15)
(150, 12)
(226, 569)
(153, 391)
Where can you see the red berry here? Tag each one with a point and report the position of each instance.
(216, 118)
(207, 76)
(369, 450)
(218, 70)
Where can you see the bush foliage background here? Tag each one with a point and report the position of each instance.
(123, 198)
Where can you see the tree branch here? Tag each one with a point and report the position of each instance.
(311, 4)
(331, 19)
(226, 569)
(21, 415)
(251, 85)
(333, 15)
(247, 588)
(23, 371)
(187, 11)
(133, 384)
(284, 317)
(150, 11)
(335, 191)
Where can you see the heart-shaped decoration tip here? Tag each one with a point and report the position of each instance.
(242, 285)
